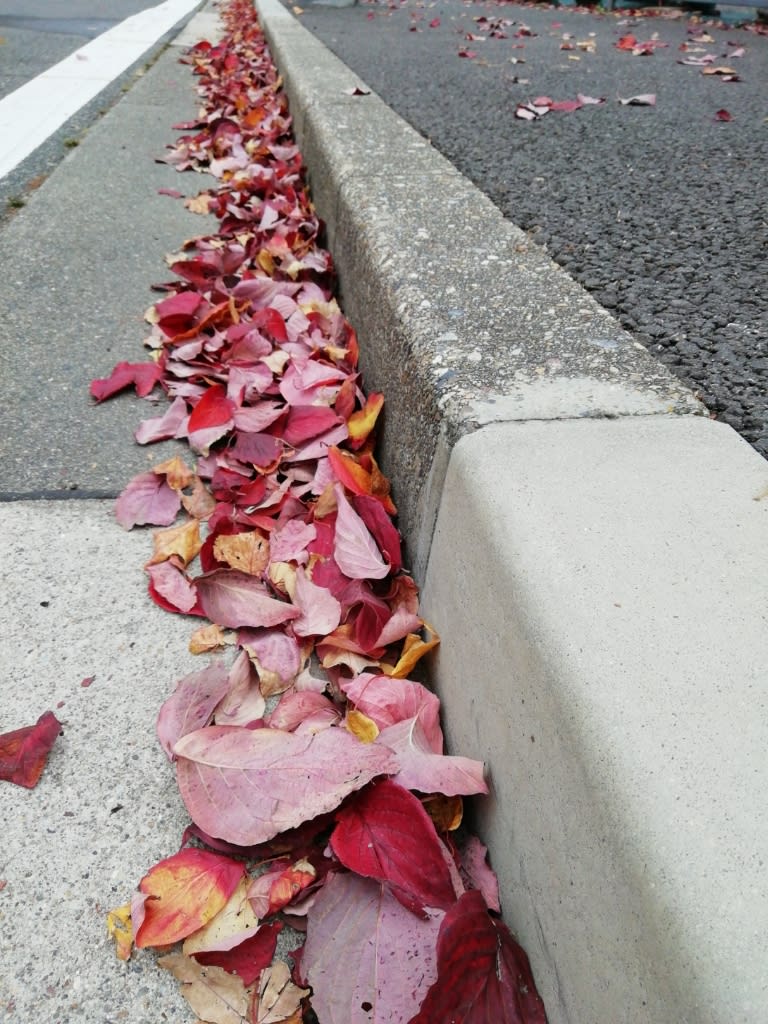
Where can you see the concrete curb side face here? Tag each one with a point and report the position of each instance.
(600, 592)
(462, 321)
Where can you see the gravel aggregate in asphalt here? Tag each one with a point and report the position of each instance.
(660, 211)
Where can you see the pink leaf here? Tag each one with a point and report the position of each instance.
(435, 23)
(243, 702)
(143, 376)
(147, 499)
(320, 611)
(295, 708)
(247, 786)
(275, 652)
(173, 585)
(355, 550)
(232, 598)
(368, 959)
(483, 974)
(387, 701)
(477, 874)
(385, 833)
(23, 752)
(421, 769)
(161, 428)
(191, 704)
(289, 543)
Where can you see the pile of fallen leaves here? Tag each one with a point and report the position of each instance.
(311, 765)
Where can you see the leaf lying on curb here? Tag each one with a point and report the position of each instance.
(23, 752)
(216, 996)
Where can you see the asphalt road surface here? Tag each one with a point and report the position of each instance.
(659, 211)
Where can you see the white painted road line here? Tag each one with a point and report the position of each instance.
(38, 108)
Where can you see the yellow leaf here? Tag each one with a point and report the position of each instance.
(266, 262)
(209, 638)
(278, 1000)
(176, 472)
(120, 930)
(361, 423)
(362, 726)
(248, 552)
(414, 649)
(183, 541)
(199, 204)
(236, 918)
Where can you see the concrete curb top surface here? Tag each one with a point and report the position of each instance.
(590, 549)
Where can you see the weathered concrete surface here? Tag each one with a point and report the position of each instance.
(78, 262)
(601, 594)
(457, 312)
(106, 808)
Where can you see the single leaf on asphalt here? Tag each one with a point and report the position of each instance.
(421, 769)
(215, 996)
(723, 115)
(483, 974)
(182, 893)
(23, 752)
(645, 100)
(367, 958)
(249, 958)
(247, 786)
(355, 550)
(385, 833)
(234, 923)
(147, 499)
(277, 1000)
(143, 376)
(191, 705)
(233, 598)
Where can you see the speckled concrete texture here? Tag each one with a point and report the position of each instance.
(453, 304)
(106, 808)
(602, 602)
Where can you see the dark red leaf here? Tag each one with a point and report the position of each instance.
(386, 834)
(483, 975)
(248, 959)
(23, 752)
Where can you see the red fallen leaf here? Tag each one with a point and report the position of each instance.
(211, 418)
(232, 598)
(382, 529)
(179, 313)
(147, 500)
(171, 588)
(628, 42)
(644, 100)
(483, 975)
(182, 893)
(566, 106)
(435, 23)
(23, 752)
(723, 115)
(385, 833)
(143, 376)
(248, 959)
(467, 53)
(172, 192)
(85, 683)
(275, 890)
(355, 921)
(247, 786)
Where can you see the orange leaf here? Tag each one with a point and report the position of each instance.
(119, 929)
(413, 651)
(248, 552)
(184, 892)
(445, 811)
(361, 423)
(176, 472)
(208, 638)
(200, 503)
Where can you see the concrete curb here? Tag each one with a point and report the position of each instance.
(593, 572)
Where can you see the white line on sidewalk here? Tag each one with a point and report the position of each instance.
(38, 108)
